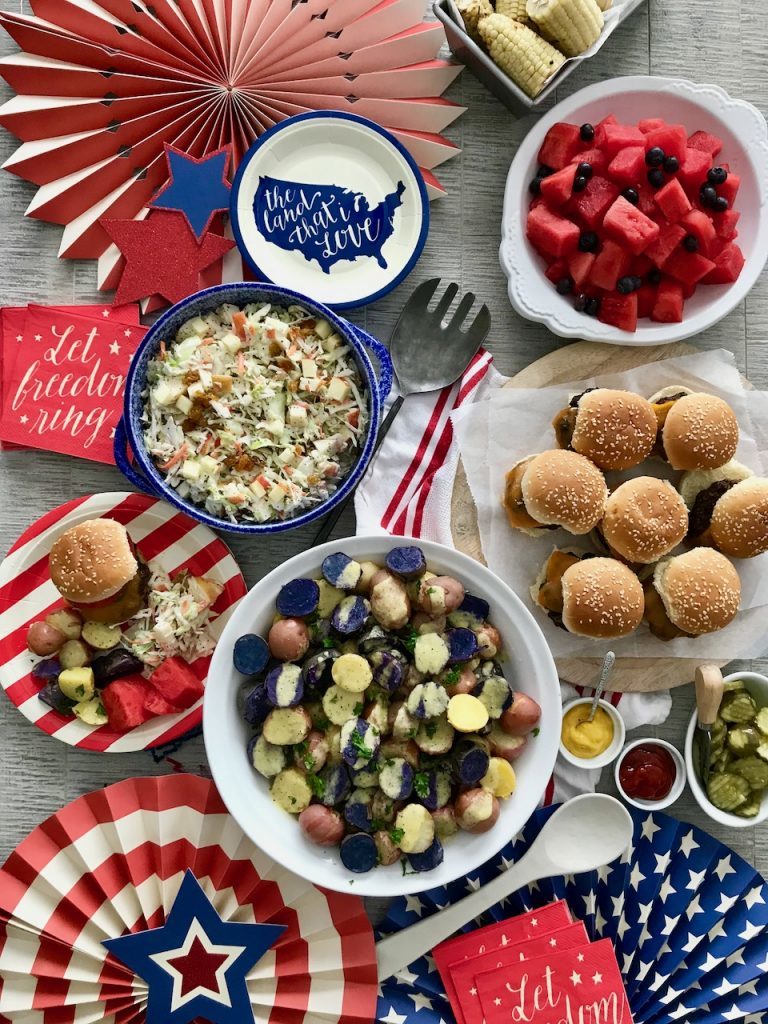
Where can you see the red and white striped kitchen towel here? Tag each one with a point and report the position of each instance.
(407, 492)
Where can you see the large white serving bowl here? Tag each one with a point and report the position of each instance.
(528, 666)
(699, 107)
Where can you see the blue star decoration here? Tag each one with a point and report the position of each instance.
(198, 188)
(196, 964)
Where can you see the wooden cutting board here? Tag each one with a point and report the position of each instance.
(575, 362)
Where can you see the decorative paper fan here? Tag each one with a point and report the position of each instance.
(103, 84)
(687, 916)
(113, 862)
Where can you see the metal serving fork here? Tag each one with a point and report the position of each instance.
(426, 356)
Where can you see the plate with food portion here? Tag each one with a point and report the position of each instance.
(386, 715)
(110, 608)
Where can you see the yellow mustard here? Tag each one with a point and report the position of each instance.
(583, 738)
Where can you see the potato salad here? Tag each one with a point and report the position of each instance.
(255, 414)
(381, 715)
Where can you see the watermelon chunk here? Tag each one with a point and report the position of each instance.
(647, 124)
(612, 263)
(600, 128)
(628, 165)
(561, 143)
(672, 201)
(647, 199)
(730, 187)
(124, 701)
(156, 704)
(728, 264)
(557, 189)
(705, 142)
(693, 170)
(669, 239)
(596, 158)
(641, 265)
(688, 267)
(672, 138)
(556, 271)
(668, 308)
(580, 266)
(646, 299)
(630, 226)
(619, 311)
(590, 205)
(699, 225)
(175, 680)
(725, 223)
(620, 136)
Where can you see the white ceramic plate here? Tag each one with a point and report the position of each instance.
(331, 205)
(699, 107)
(528, 667)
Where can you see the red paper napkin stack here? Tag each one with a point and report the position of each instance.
(539, 968)
(62, 376)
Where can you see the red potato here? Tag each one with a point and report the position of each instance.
(386, 849)
(370, 569)
(506, 746)
(406, 749)
(288, 639)
(424, 623)
(489, 640)
(390, 604)
(384, 809)
(317, 752)
(377, 713)
(521, 716)
(44, 639)
(441, 595)
(466, 683)
(322, 825)
(378, 577)
(412, 678)
(445, 822)
(476, 811)
(68, 621)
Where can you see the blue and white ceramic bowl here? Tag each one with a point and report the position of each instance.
(143, 473)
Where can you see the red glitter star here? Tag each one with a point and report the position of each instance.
(198, 968)
(162, 255)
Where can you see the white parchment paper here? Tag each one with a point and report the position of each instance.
(514, 423)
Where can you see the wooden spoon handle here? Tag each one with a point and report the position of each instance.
(709, 692)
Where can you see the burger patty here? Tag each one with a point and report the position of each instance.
(564, 422)
(656, 616)
(700, 515)
(661, 409)
(550, 595)
(514, 505)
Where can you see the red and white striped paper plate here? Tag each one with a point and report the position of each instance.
(169, 539)
(112, 862)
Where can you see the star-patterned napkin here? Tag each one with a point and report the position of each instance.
(63, 374)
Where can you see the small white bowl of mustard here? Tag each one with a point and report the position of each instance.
(592, 744)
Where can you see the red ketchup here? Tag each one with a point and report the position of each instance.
(647, 772)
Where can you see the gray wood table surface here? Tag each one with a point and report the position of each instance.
(719, 41)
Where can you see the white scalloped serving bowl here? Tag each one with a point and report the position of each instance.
(699, 107)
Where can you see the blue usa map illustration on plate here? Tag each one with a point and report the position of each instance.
(331, 205)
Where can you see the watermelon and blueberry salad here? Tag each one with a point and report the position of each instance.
(631, 219)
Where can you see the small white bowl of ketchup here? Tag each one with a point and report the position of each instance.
(650, 774)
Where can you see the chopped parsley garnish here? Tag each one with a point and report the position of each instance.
(404, 866)
(430, 728)
(536, 731)
(100, 709)
(80, 691)
(359, 745)
(320, 721)
(306, 758)
(396, 835)
(359, 708)
(409, 636)
(327, 643)
(421, 784)
(377, 824)
(316, 784)
(451, 676)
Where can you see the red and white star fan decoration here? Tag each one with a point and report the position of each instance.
(114, 863)
(103, 85)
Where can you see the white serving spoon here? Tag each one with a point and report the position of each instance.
(589, 831)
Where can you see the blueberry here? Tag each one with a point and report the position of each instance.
(655, 156)
(564, 286)
(630, 194)
(717, 175)
(656, 177)
(544, 171)
(671, 164)
(720, 204)
(592, 307)
(579, 183)
(535, 186)
(638, 282)
(587, 132)
(584, 170)
(690, 243)
(653, 276)
(707, 194)
(588, 242)
(626, 285)
(580, 303)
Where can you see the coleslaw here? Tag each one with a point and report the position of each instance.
(255, 413)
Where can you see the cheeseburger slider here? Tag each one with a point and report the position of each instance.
(96, 569)
(692, 594)
(554, 489)
(644, 520)
(729, 510)
(588, 595)
(695, 430)
(615, 429)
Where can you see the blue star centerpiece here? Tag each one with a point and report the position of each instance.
(196, 964)
(198, 188)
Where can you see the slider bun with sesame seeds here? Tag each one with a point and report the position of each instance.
(700, 432)
(95, 569)
(644, 520)
(739, 525)
(562, 488)
(665, 394)
(700, 590)
(602, 599)
(615, 429)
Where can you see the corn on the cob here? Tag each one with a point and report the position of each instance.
(514, 9)
(528, 59)
(570, 25)
(471, 12)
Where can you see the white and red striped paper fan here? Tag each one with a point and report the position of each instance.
(103, 84)
(112, 862)
(163, 536)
